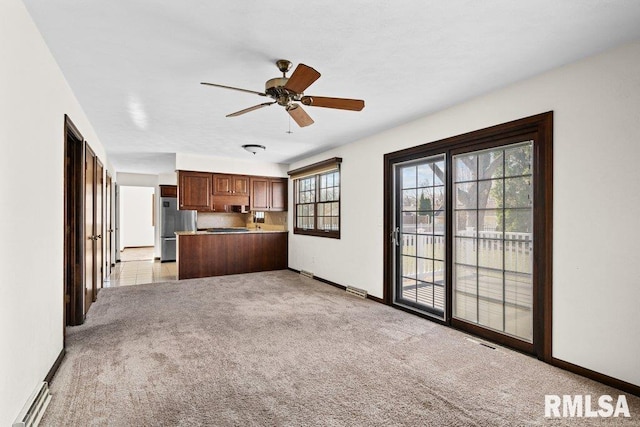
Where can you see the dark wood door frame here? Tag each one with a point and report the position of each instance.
(108, 224)
(73, 269)
(89, 227)
(98, 216)
(542, 126)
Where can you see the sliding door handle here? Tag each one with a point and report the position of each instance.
(395, 236)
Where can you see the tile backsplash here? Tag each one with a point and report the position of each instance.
(272, 220)
(219, 220)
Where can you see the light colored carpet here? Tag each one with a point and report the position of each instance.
(277, 349)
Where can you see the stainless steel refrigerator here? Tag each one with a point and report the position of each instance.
(172, 220)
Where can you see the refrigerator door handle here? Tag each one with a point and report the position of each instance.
(169, 238)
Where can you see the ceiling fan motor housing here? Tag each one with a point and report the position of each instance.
(274, 88)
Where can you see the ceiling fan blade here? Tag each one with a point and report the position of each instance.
(303, 76)
(246, 110)
(299, 115)
(234, 88)
(339, 103)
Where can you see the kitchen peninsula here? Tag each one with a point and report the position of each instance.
(208, 253)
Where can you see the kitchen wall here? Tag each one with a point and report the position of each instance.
(596, 239)
(35, 97)
(194, 162)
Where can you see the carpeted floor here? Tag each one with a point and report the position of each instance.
(277, 349)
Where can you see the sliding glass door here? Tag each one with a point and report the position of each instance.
(493, 239)
(419, 235)
(469, 232)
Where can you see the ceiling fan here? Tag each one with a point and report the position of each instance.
(288, 92)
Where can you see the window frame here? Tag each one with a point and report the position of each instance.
(315, 172)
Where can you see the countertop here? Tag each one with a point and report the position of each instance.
(251, 231)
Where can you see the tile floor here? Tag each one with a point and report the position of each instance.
(137, 266)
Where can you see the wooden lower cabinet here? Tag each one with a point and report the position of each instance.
(219, 254)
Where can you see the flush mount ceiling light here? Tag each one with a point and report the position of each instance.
(254, 148)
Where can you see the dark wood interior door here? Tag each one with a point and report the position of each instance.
(99, 226)
(89, 228)
(74, 290)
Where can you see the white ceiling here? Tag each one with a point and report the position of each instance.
(135, 65)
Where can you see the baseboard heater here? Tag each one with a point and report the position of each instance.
(306, 274)
(357, 292)
(33, 410)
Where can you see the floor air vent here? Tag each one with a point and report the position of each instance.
(34, 408)
(357, 292)
(306, 274)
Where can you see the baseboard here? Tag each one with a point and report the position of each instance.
(329, 282)
(337, 285)
(596, 376)
(56, 365)
(376, 299)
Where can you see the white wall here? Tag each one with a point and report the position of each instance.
(34, 98)
(136, 212)
(596, 238)
(193, 162)
(136, 179)
(145, 180)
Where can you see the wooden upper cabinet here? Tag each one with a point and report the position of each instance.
(214, 192)
(168, 191)
(194, 190)
(230, 185)
(259, 194)
(269, 194)
(279, 194)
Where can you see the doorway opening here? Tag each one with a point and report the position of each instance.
(136, 223)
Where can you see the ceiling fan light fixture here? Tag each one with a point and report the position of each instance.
(254, 148)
